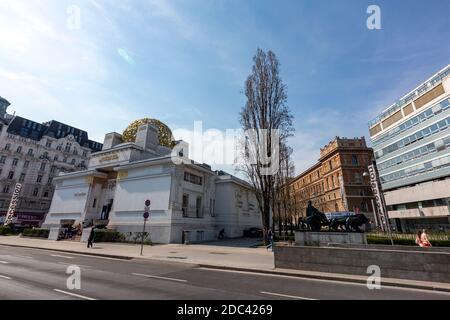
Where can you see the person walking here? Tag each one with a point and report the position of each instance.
(270, 239)
(91, 238)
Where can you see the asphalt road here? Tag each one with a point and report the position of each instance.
(39, 274)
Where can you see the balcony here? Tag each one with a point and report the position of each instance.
(440, 211)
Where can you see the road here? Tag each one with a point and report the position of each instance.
(39, 274)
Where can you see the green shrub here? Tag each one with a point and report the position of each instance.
(372, 239)
(4, 231)
(108, 236)
(284, 238)
(36, 233)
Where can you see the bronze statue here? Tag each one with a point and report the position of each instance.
(315, 219)
(352, 223)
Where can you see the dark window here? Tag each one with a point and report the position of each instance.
(3, 159)
(185, 204)
(192, 178)
(6, 189)
(198, 207)
(30, 152)
(15, 162)
(26, 164)
(11, 175)
(354, 159)
(19, 149)
(22, 177)
(35, 192)
(39, 179)
(8, 146)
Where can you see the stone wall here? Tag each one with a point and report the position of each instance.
(418, 264)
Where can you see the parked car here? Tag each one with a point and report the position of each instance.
(253, 233)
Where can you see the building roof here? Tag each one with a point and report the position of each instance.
(33, 130)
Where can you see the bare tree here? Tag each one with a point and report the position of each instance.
(267, 116)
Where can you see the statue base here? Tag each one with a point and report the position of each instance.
(323, 239)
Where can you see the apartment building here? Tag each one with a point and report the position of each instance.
(411, 141)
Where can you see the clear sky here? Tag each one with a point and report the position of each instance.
(186, 60)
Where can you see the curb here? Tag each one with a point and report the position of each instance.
(269, 272)
(330, 278)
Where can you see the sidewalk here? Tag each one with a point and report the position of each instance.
(199, 254)
(211, 255)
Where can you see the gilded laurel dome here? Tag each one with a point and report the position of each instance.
(164, 133)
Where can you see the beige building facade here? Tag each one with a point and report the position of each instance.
(336, 183)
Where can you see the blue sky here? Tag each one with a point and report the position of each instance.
(187, 60)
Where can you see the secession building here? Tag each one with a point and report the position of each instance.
(336, 183)
(31, 155)
(189, 201)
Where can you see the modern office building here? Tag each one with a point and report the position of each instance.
(411, 141)
(336, 183)
(31, 155)
(189, 201)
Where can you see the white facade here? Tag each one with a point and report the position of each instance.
(189, 201)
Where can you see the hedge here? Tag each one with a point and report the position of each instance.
(404, 242)
(36, 233)
(4, 231)
(104, 235)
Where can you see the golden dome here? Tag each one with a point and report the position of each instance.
(164, 133)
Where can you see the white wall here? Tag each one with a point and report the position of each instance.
(132, 193)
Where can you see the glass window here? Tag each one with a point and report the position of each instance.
(434, 128)
(442, 125)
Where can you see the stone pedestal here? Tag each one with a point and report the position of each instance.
(54, 233)
(320, 239)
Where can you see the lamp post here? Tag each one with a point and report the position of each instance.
(381, 213)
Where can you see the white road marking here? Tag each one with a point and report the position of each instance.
(59, 256)
(4, 277)
(4, 262)
(26, 257)
(157, 277)
(74, 294)
(286, 295)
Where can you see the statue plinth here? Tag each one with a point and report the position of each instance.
(323, 239)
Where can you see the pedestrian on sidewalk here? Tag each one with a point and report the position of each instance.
(270, 239)
(91, 238)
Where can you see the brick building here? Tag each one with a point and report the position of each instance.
(336, 182)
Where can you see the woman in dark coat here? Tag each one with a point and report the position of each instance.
(91, 238)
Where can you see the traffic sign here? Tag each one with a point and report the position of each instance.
(146, 215)
(147, 203)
